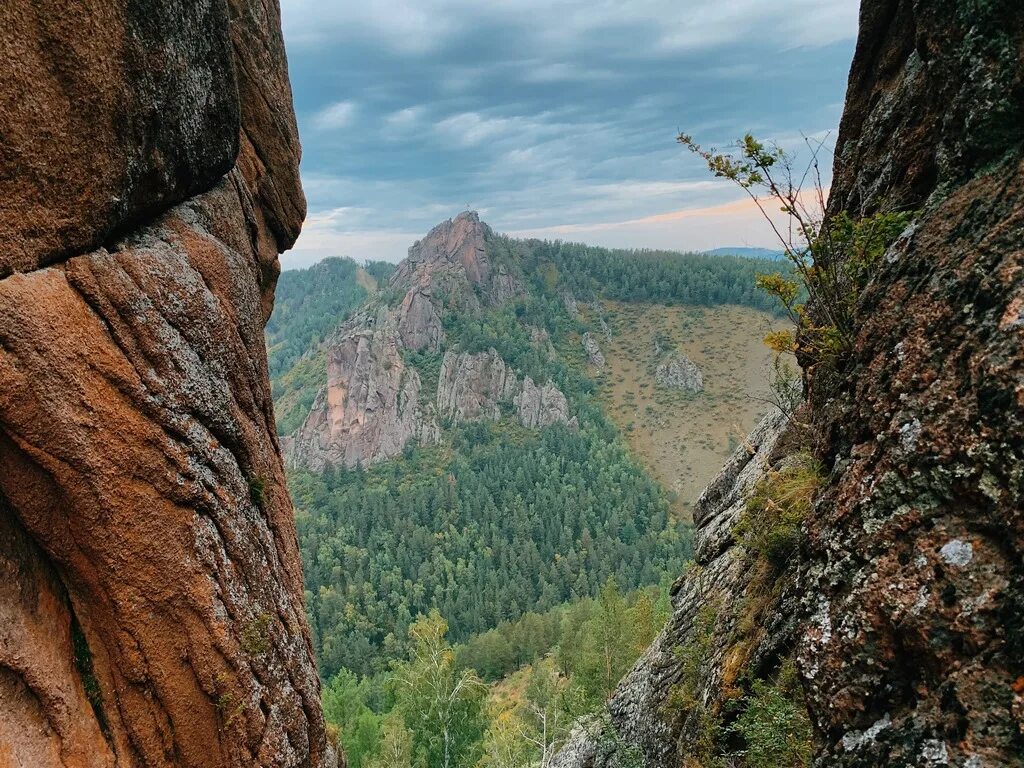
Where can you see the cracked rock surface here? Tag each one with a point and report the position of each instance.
(150, 583)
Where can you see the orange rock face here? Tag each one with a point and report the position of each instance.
(150, 584)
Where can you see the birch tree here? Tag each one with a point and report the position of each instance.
(442, 707)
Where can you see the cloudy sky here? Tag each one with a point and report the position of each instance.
(554, 118)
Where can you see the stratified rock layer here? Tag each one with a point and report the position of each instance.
(151, 601)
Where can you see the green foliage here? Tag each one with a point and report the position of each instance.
(442, 706)
(345, 701)
(770, 527)
(295, 390)
(308, 304)
(428, 365)
(256, 635)
(86, 673)
(774, 724)
(257, 490)
(395, 748)
(380, 271)
(560, 632)
(666, 277)
(609, 641)
(834, 259)
(528, 731)
(396, 714)
(509, 522)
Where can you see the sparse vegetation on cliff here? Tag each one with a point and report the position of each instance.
(832, 258)
(770, 527)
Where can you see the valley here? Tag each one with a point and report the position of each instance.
(497, 443)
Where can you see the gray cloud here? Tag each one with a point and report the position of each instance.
(543, 114)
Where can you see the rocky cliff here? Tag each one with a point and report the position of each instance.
(885, 628)
(913, 651)
(151, 601)
(374, 402)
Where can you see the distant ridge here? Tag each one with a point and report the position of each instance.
(748, 253)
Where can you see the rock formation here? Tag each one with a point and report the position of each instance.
(453, 259)
(593, 350)
(571, 305)
(902, 606)
(370, 406)
(913, 651)
(542, 406)
(473, 386)
(419, 320)
(374, 403)
(679, 372)
(151, 601)
(641, 708)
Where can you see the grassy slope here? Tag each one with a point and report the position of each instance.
(681, 438)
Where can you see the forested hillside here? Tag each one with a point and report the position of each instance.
(665, 277)
(490, 486)
(502, 522)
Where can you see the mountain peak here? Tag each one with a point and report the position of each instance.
(457, 245)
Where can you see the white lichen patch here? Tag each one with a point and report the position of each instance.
(957, 552)
(921, 601)
(909, 434)
(856, 739)
(934, 752)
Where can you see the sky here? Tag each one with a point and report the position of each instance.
(552, 118)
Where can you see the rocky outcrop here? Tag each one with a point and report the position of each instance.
(505, 286)
(642, 713)
(679, 372)
(912, 653)
(370, 407)
(453, 260)
(541, 406)
(598, 310)
(593, 350)
(419, 320)
(373, 403)
(902, 603)
(456, 244)
(95, 135)
(151, 609)
(935, 94)
(472, 387)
